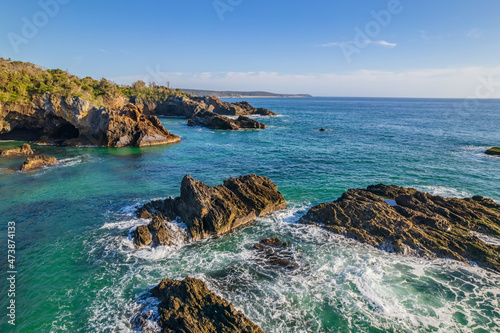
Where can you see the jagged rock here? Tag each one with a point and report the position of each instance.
(209, 211)
(188, 106)
(419, 224)
(142, 236)
(189, 306)
(158, 232)
(493, 151)
(275, 253)
(37, 162)
(76, 121)
(24, 150)
(215, 121)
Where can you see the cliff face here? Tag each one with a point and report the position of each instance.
(76, 121)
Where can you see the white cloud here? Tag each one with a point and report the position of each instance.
(474, 33)
(460, 82)
(376, 42)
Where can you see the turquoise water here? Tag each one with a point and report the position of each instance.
(78, 270)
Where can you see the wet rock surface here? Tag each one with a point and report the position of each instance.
(275, 253)
(25, 149)
(189, 306)
(159, 232)
(36, 162)
(418, 224)
(209, 211)
(493, 151)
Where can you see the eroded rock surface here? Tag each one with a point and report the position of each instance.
(36, 162)
(160, 231)
(418, 224)
(189, 306)
(75, 121)
(25, 149)
(215, 121)
(209, 211)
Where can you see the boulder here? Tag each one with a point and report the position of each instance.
(36, 162)
(209, 211)
(159, 232)
(493, 151)
(215, 121)
(418, 224)
(189, 306)
(25, 149)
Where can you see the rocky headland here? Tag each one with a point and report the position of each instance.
(209, 211)
(407, 221)
(189, 306)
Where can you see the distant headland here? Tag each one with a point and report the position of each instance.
(242, 94)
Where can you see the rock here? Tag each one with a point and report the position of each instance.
(215, 121)
(24, 150)
(209, 211)
(419, 224)
(37, 162)
(159, 232)
(322, 130)
(275, 253)
(493, 151)
(75, 121)
(189, 306)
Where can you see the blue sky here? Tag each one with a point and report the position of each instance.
(447, 48)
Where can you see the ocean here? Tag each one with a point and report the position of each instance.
(78, 270)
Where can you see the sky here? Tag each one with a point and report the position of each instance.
(372, 48)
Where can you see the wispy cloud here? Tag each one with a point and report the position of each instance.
(456, 82)
(425, 35)
(375, 42)
(474, 33)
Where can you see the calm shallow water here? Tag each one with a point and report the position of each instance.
(78, 271)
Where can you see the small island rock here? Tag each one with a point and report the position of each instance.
(36, 162)
(25, 149)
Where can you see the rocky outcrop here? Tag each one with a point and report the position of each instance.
(414, 223)
(160, 231)
(188, 106)
(209, 211)
(275, 253)
(76, 121)
(36, 162)
(493, 151)
(215, 121)
(25, 149)
(189, 306)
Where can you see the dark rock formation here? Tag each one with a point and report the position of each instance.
(419, 224)
(159, 231)
(209, 211)
(188, 106)
(189, 306)
(275, 253)
(76, 121)
(36, 162)
(25, 149)
(215, 121)
(493, 151)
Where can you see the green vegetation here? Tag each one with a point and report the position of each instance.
(20, 82)
(493, 151)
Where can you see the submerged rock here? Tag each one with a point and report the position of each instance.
(189, 306)
(215, 121)
(25, 149)
(275, 253)
(493, 151)
(419, 224)
(38, 161)
(209, 211)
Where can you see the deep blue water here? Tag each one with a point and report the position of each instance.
(78, 271)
